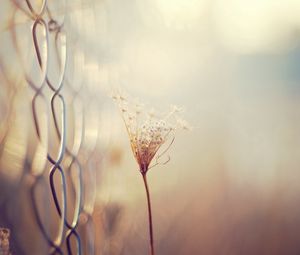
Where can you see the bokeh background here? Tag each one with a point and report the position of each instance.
(232, 185)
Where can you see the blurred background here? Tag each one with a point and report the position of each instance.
(232, 185)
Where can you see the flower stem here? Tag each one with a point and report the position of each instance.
(149, 214)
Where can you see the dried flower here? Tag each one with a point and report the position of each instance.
(148, 131)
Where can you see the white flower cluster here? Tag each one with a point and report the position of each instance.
(147, 131)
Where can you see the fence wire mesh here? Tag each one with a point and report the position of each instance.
(48, 150)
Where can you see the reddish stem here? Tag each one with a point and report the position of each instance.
(149, 214)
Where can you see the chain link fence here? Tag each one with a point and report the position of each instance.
(49, 128)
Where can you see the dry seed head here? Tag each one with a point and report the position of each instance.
(147, 131)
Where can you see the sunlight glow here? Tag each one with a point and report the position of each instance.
(181, 14)
(254, 26)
